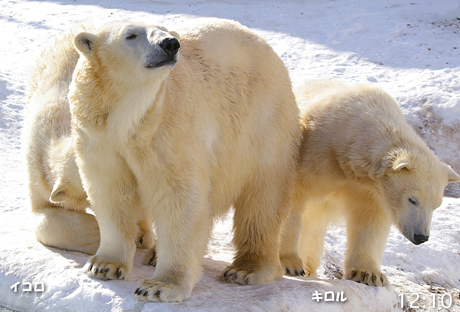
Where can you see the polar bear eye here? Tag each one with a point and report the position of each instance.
(413, 201)
(131, 37)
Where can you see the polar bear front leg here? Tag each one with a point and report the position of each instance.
(183, 226)
(368, 226)
(112, 190)
(114, 258)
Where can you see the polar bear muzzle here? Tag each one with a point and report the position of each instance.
(415, 223)
(169, 47)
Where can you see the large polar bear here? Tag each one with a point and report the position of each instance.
(181, 131)
(361, 159)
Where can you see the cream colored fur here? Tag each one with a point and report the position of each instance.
(359, 159)
(182, 144)
(56, 192)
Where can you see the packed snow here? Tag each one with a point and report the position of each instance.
(410, 48)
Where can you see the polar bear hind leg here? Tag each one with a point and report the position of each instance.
(256, 232)
(67, 229)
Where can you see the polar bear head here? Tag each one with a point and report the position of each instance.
(124, 50)
(413, 186)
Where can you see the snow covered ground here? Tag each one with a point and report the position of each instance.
(410, 48)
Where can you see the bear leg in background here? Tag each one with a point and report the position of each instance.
(290, 236)
(146, 238)
(66, 229)
(57, 197)
(368, 227)
(315, 221)
(150, 257)
(60, 212)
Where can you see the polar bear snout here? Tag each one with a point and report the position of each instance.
(419, 239)
(417, 235)
(170, 46)
(415, 224)
(165, 54)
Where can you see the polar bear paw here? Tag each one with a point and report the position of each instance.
(251, 275)
(106, 269)
(150, 257)
(292, 265)
(368, 277)
(151, 290)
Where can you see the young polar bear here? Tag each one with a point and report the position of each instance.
(361, 159)
(55, 190)
(181, 131)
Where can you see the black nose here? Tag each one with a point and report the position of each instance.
(170, 45)
(418, 239)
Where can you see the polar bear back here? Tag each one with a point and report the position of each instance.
(350, 130)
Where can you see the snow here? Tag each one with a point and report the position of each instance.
(411, 49)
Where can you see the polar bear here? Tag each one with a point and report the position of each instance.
(55, 190)
(181, 129)
(360, 159)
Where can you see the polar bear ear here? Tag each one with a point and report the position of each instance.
(84, 42)
(394, 161)
(174, 34)
(401, 161)
(400, 164)
(452, 175)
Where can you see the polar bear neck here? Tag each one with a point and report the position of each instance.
(132, 108)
